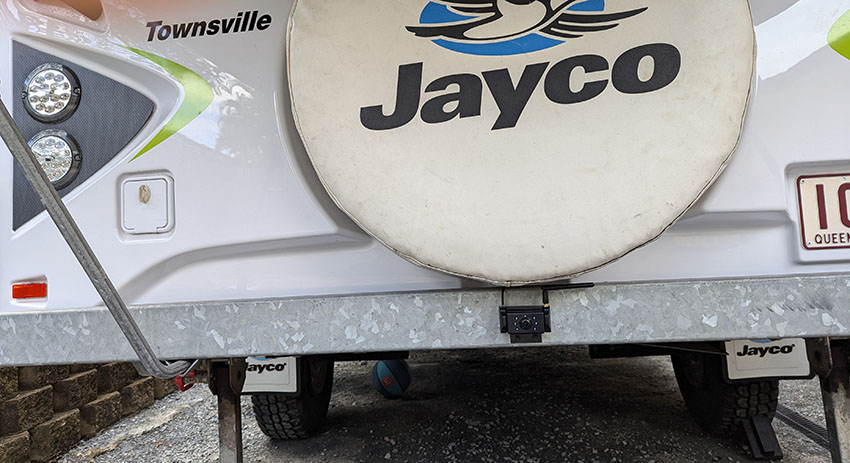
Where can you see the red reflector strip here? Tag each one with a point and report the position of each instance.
(29, 291)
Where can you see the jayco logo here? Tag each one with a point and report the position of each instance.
(264, 368)
(512, 27)
(751, 351)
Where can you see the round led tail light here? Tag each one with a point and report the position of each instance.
(58, 155)
(51, 93)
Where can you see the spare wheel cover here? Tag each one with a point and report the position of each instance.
(519, 143)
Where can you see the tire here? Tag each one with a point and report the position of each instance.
(287, 417)
(717, 406)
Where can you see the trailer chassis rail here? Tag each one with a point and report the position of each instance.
(814, 306)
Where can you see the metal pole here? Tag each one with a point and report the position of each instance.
(226, 381)
(835, 388)
(34, 174)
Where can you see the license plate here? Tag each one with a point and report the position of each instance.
(784, 358)
(271, 375)
(824, 211)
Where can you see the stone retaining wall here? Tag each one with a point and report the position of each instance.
(44, 411)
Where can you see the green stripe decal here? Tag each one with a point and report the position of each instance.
(198, 96)
(839, 35)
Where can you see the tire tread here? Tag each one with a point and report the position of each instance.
(287, 417)
(720, 407)
(279, 416)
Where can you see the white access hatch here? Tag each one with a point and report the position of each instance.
(147, 205)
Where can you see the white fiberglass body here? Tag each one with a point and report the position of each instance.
(250, 219)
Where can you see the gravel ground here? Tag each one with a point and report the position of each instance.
(516, 405)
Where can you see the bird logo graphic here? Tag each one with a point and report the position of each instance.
(512, 27)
